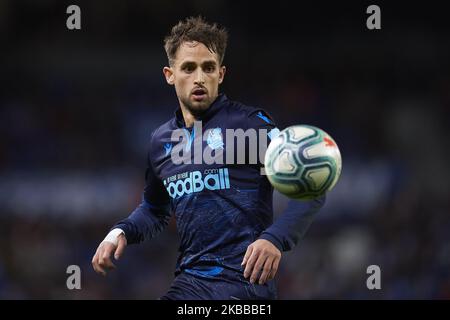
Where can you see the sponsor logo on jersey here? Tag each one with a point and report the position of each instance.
(196, 181)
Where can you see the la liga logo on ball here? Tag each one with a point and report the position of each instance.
(303, 162)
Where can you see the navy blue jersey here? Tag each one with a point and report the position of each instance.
(220, 208)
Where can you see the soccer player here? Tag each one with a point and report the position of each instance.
(230, 248)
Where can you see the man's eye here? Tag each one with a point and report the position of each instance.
(188, 69)
(209, 69)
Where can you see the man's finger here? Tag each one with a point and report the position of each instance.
(106, 262)
(267, 268)
(96, 264)
(105, 253)
(257, 267)
(120, 247)
(250, 263)
(99, 269)
(275, 264)
(247, 255)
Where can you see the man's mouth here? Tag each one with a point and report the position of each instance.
(199, 94)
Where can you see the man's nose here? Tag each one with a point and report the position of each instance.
(199, 78)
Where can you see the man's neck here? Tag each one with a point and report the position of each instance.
(188, 117)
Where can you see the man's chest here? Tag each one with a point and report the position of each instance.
(208, 157)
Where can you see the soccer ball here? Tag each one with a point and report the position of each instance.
(303, 162)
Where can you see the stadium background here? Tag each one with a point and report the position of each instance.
(77, 108)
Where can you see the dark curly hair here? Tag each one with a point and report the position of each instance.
(196, 29)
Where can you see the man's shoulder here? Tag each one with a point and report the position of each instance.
(252, 114)
(163, 129)
(160, 139)
(243, 109)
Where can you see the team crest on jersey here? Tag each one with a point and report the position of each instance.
(214, 139)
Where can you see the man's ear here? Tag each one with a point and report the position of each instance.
(222, 71)
(168, 73)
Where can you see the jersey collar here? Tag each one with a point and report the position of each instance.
(217, 104)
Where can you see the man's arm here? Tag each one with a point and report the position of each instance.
(263, 256)
(151, 216)
(145, 222)
(292, 225)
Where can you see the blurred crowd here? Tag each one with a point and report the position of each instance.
(77, 109)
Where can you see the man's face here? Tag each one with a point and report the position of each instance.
(196, 74)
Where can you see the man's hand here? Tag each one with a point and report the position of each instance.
(101, 262)
(261, 255)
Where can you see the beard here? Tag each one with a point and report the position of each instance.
(196, 108)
